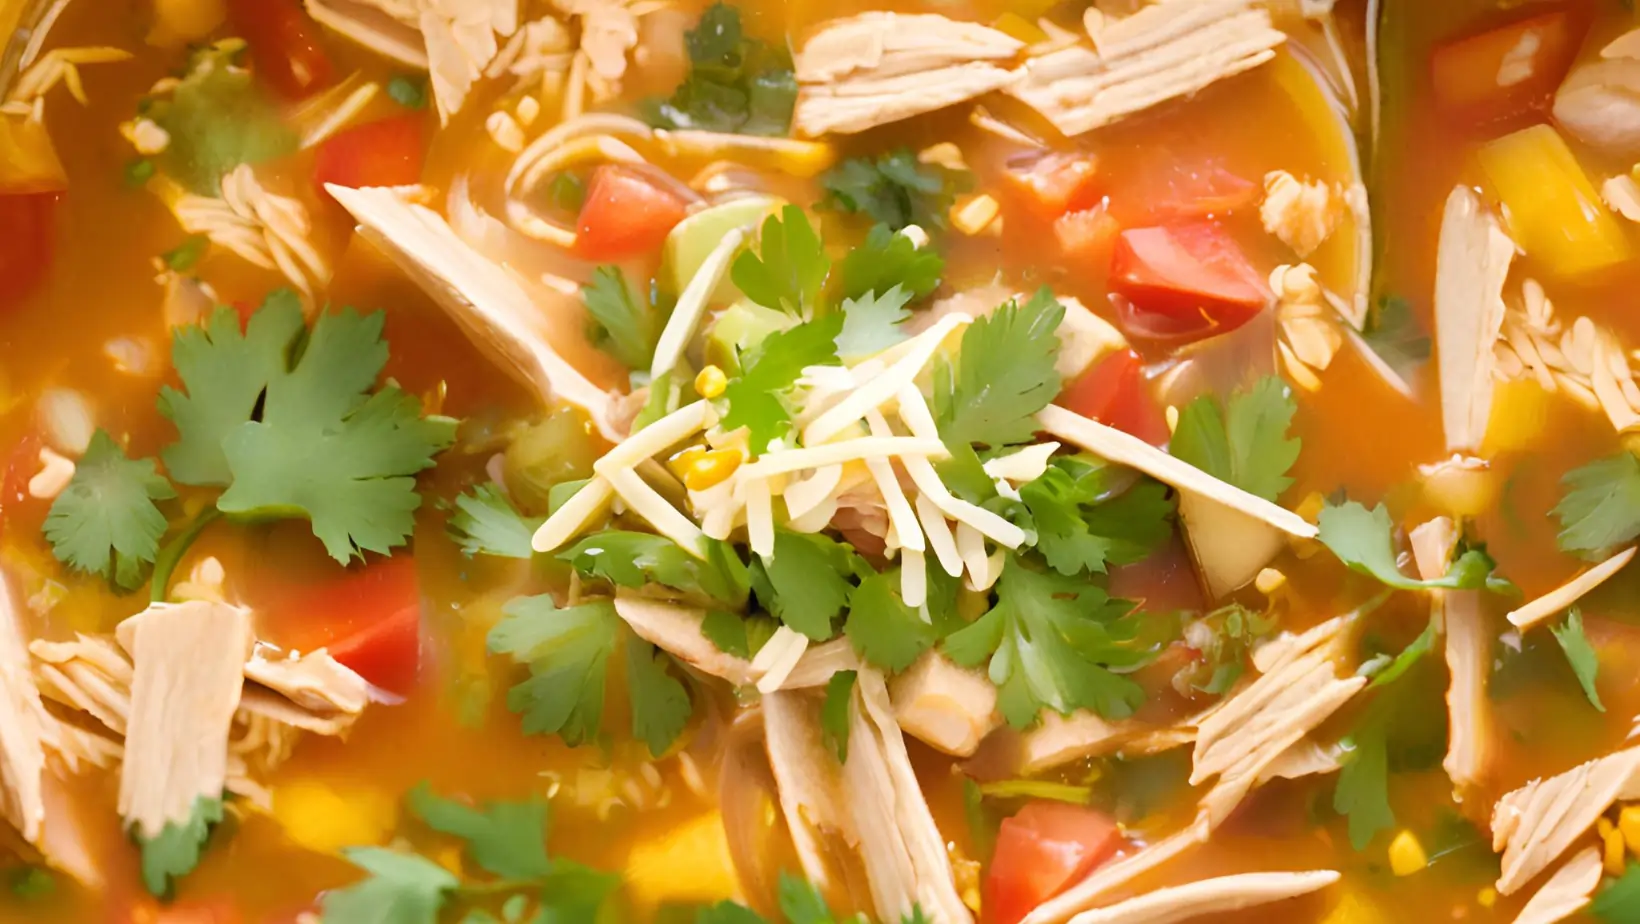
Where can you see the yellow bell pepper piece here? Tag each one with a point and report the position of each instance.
(1019, 27)
(1552, 210)
(1355, 908)
(1406, 855)
(1520, 411)
(689, 864)
(28, 162)
(324, 818)
(1628, 822)
(1612, 853)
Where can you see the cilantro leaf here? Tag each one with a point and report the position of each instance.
(772, 368)
(106, 522)
(660, 703)
(1362, 792)
(1050, 641)
(402, 889)
(174, 852)
(801, 902)
(508, 839)
(624, 325)
(217, 118)
(1580, 655)
(1226, 637)
(885, 631)
(1002, 376)
(873, 322)
(1363, 539)
(1246, 443)
(224, 373)
(1077, 532)
(836, 711)
(886, 259)
(32, 883)
(805, 583)
(631, 559)
(741, 636)
(1601, 508)
(727, 912)
(567, 651)
(1394, 334)
(486, 523)
(735, 84)
(1619, 901)
(408, 91)
(894, 189)
(183, 256)
(789, 268)
(1393, 669)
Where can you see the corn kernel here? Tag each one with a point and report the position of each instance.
(710, 468)
(971, 215)
(689, 863)
(1269, 581)
(325, 819)
(1486, 897)
(711, 382)
(1614, 854)
(1406, 855)
(1171, 415)
(1520, 410)
(1628, 822)
(683, 460)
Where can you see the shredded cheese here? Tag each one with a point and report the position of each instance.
(691, 304)
(987, 523)
(806, 494)
(1557, 600)
(879, 390)
(568, 521)
(646, 443)
(900, 515)
(939, 536)
(916, 415)
(795, 460)
(971, 546)
(914, 581)
(1023, 465)
(759, 516)
(816, 519)
(646, 502)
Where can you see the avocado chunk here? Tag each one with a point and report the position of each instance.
(737, 329)
(693, 239)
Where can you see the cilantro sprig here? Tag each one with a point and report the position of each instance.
(624, 324)
(894, 189)
(486, 523)
(1585, 663)
(174, 852)
(1080, 526)
(630, 559)
(1003, 375)
(1362, 791)
(1601, 507)
(789, 268)
(107, 520)
(1245, 441)
(736, 84)
(886, 259)
(758, 398)
(1364, 540)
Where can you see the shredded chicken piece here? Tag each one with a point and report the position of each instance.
(949, 707)
(1208, 896)
(323, 115)
(875, 68)
(809, 783)
(1309, 336)
(1556, 601)
(1471, 265)
(1163, 52)
(1622, 194)
(540, 48)
(1117, 873)
(1533, 825)
(22, 729)
(1566, 892)
(1597, 103)
(61, 66)
(1584, 361)
(268, 230)
(1302, 215)
(1468, 658)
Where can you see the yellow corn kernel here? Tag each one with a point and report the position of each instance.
(1019, 27)
(684, 459)
(945, 154)
(1486, 897)
(710, 382)
(1269, 581)
(1628, 822)
(1355, 908)
(689, 864)
(324, 818)
(1520, 410)
(1553, 211)
(1406, 855)
(972, 214)
(710, 469)
(1614, 853)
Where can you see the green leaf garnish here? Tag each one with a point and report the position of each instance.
(769, 370)
(886, 632)
(1079, 528)
(624, 325)
(835, 712)
(894, 189)
(567, 652)
(1601, 507)
(408, 91)
(508, 839)
(630, 559)
(1580, 655)
(106, 521)
(1245, 443)
(218, 117)
(486, 523)
(1364, 540)
(790, 267)
(872, 322)
(183, 256)
(805, 584)
(174, 852)
(735, 84)
(1003, 375)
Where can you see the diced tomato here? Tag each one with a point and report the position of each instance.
(1183, 283)
(18, 509)
(370, 620)
(1506, 71)
(28, 228)
(388, 152)
(1167, 191)
(284, 45)
(1163, 582)
(148, 911)
(625, 215)
(1113, 392)
(1040, 851)
(1086, 237)
(1049, 185)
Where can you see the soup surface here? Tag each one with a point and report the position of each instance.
(591, 460)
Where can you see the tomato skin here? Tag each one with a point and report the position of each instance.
(625, 215)
(1181, 283)
(1113, 392)
(1052, 184)
(388, 152)
(1041, 850)
(369, 620)
(284, 46)
(28, 226)
(1169, 191)
(1532, 54)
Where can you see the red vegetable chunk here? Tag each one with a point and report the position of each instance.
(1183, 283)
(625, 215)
(1040, 851)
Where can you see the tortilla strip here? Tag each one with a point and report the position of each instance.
(1567, 891)
(1557, 600)
(1124, 449)
(22, 754)
(1471, 265)
(1468, 656)
(1538, 822)
(676, 629)
(488, 303)
(1209, 896)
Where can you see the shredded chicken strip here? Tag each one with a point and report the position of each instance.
(1556, 601)
(22, 719)
(1208, 896)
(1533, 825)
(265, 229)
(1471, 265)
(1468, 657)
(1566, 892)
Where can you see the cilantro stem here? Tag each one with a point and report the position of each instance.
(497, 887)
(1038, 789)
(171, 554)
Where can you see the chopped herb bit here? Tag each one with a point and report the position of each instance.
(106, 521)
(1619, 901)
(735, 84)
(408, 91)
(1362, 792)
(1003, 375)
(805, 584)
(1225, 638)
(1245, 443)
(982, 827)
(486, 523)
(624, 325)
(886, 632)
(1394, 334)
(1601, 508)
(175, 851)
(790, 267)
(1051, 642)
(1580, 655)
(728, 631)
(660, 702)
(1081, 528)
(507, 839)
(631, 559)
(402, 889)
(893, 189)
(836, 712)
(1385, 670)
(887, 259)
(770, 369)
(138, 172)
(32, 883)
(566, 191)
(1038, 789)
(185, 255)
(872, 322)
(1364, 540)
(218, 118)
